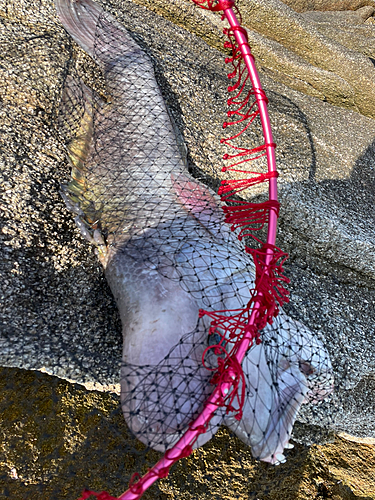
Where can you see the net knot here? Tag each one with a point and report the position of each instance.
(187, 451)
(220, 5)
(239, 415)
(201, 429)
(226, 4)
(269, 281)
(163, 472)
(241, 30)
(251, 331)
(260, 95)
(246, 216)
(229, 377)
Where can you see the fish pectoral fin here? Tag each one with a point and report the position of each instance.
(200, 202)
(75, 119)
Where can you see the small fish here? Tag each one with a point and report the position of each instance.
(167, 253)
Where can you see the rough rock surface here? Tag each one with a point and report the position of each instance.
(58, 314)
(324, 5)
(329, 60)
(354, 73)
(78, 439)
(356, 17)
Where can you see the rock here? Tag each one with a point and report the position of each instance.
(281, 24)
(295, 50)
(59, 315)
(359, 38)
(324, 5)
(338, 17)
(78, 438)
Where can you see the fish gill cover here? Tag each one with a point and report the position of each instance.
(205, 340)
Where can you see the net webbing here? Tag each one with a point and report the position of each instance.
(205, 341)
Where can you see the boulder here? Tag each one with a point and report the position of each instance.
(297, 51)
(58, 315)
(78, 438)
(356, 17)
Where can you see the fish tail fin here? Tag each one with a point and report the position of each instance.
(97, 32)
(80, 19)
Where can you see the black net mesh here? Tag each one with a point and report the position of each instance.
(125, 123)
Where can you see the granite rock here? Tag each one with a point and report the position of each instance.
(324, 5)
(333, 64)
(59, 316)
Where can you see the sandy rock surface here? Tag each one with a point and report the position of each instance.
(58, 314)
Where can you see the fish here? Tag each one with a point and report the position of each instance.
(167, 253)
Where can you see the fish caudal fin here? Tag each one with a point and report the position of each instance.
(98, 33)
(80, 19)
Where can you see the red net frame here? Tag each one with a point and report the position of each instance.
(241, 326)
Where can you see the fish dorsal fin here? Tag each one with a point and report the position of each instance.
(200, 202)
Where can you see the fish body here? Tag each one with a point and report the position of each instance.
(168, 253)
(132, 126)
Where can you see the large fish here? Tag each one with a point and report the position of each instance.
(168, 253)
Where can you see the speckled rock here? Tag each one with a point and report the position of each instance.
(57, 312)
(294, 50)
(322, 5)
(280, 23)
(359, 16)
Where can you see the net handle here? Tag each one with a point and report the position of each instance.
(184, 444)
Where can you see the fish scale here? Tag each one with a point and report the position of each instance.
(133, 126)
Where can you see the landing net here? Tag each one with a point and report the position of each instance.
(196, 275)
